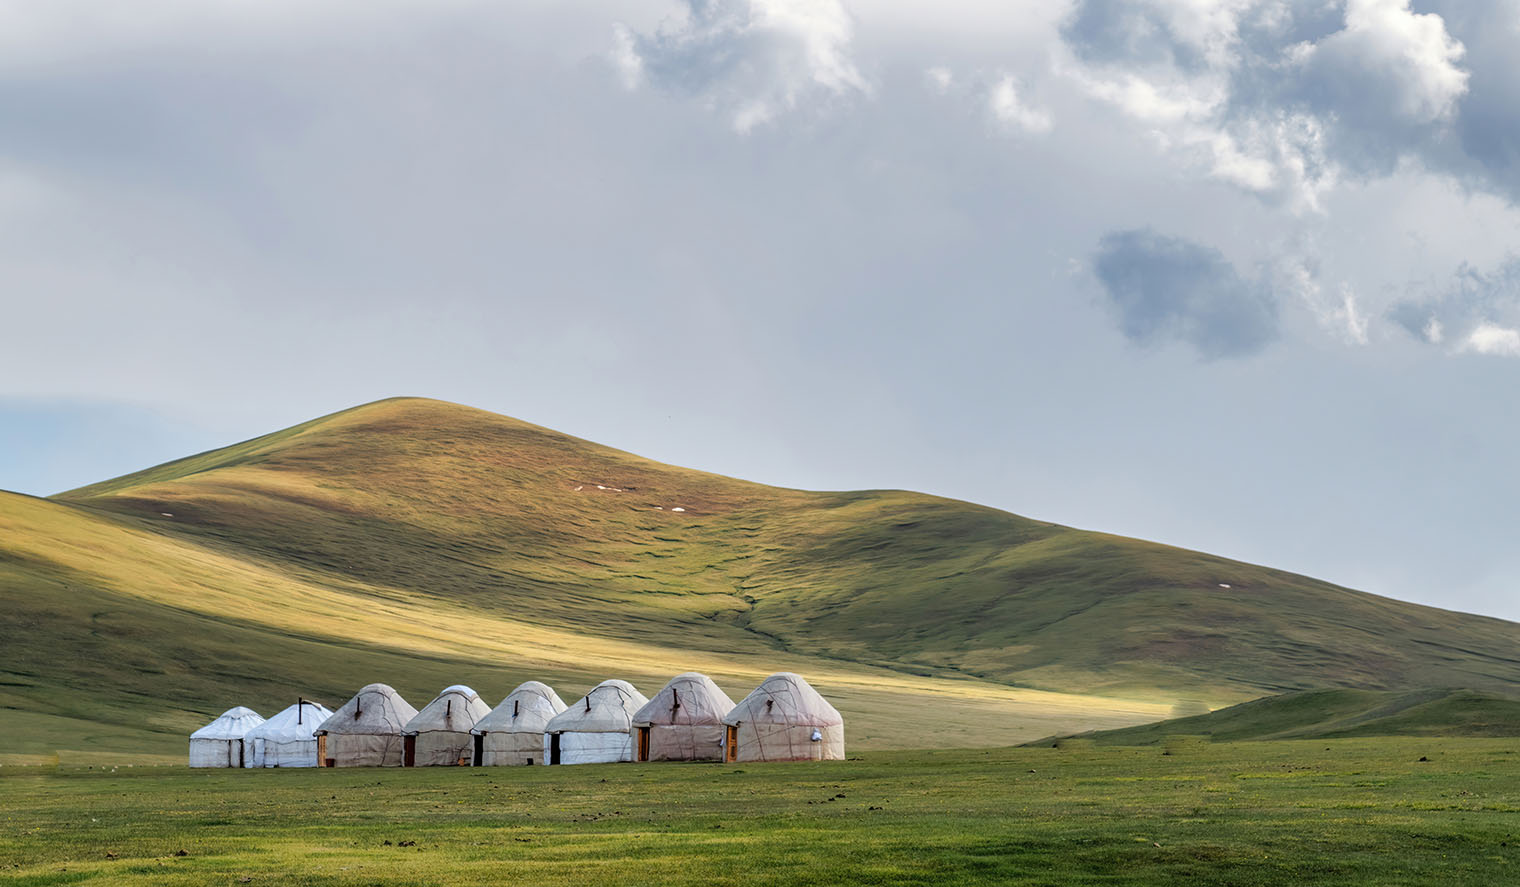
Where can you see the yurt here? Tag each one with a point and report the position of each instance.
(220, 743)
(595, 729)
(289, 738)
(439, 735)
(683, 722)
(366, 731)
(784, 719)
(513, 733)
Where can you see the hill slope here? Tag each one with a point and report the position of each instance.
(119, 638)
(412, 527)
(1338, 714)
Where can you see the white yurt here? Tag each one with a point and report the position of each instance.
(439, 735)
(220, 743)
(513, 733)
(683, 722)
(366, 731)
(289, 738)
(784, 719)
(595, 729)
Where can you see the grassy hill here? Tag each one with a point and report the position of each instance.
(424, 543)
(1338, 714)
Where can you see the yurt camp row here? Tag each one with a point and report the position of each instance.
(690, 719)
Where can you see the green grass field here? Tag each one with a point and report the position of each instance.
(1342, 812)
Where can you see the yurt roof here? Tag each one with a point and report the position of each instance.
(525, 710)
(234, 723)
(376, 709)
(297, 723)
(608, 708)
(456, 710)
(689, 698)
(785, 698)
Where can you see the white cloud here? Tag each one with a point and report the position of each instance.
(939, 78)
(1349, 317)
(1297, 271)
(625, 57)
(1009, 110)
(751, 59)
(1386, 41)
(1490, 338)
(1278, 99)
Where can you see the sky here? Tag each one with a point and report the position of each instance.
(1234, 275)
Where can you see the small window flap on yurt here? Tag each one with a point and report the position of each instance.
(366, 730)
(289, 738)
(513, 733)
(442, 728)
(220, 743)
(785, 719)
(596, 729)
(682, 722)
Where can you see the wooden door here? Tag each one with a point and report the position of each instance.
(731, 746)
(409, 751)
(643, 748)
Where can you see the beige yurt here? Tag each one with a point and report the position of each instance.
(683, 722)
(220, 743)
(595, 729)
(366, 731)
(439, 735)
(784, 719)
(287, 739)
(513, 733)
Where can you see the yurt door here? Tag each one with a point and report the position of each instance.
(409, 751)
(480, 750)
(553, 748)
(731, 744)
(643, 744)
(322, 759)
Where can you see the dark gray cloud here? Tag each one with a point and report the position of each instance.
(1487, 148)
(1166, 288)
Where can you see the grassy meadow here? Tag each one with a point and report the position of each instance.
(1389, 811)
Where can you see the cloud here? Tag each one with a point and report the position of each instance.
(1387, 62)
(1487, 121)
(1348, 318)
(939, 78)
(997, 96)
(1170, 289)
(1478, 312)
(1490, 338)
(1011, 111)
(1297, 271)
(751, 59)
(1280, 99)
